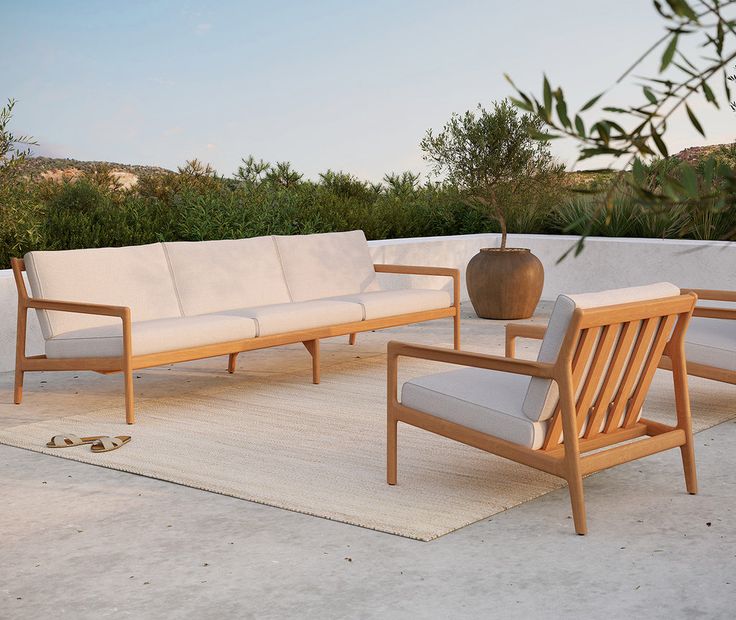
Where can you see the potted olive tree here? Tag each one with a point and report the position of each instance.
(494, 156)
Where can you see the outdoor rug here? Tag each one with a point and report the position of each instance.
(320, 450)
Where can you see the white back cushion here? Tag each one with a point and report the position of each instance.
(136, 276)
(211, 276)
(326, 265)
(542, 394)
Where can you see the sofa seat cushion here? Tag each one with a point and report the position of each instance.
(711, 342)
(154, 336)
(291, 317)
(378, 304)
(483, 400)
(326, 264)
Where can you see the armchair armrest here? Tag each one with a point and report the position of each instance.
(522, 330)
(420, 270)
(711, 312)
(79, 307)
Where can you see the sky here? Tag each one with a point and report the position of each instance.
(350, 86)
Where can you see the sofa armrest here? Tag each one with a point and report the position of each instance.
(420, 270)
(522, 330)
(79, 307)
(711, 312)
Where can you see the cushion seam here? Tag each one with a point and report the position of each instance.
(173, 279)
(283, 270)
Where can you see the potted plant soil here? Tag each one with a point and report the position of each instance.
(496, 158)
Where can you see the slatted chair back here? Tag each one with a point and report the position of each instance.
(612, 352)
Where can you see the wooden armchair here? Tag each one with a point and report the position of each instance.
(577, 408)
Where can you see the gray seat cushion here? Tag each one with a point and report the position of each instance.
(155, 336)
(378, 304)
(484, 400)
(711, 342)
(281, 318)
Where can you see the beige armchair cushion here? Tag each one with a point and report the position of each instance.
(378, 304)
(326, 265)
(153, 336)
(484, 400)
(542, 395)
(281, 318)
(220, 275)
(135, 276)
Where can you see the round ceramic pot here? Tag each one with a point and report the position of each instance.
(504, 284)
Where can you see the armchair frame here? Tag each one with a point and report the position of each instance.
(127, 363)
(607, 353)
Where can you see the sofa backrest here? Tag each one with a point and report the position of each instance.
(326, 265)
(211, 276)
(543, 394)
(135, 276)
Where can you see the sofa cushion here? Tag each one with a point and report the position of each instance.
(153, 336)
(326, 265)
(377, 304)
(542, 395)
(136, 276)
(281, 318)
(221, 275)
(711, 342)
(486, 401)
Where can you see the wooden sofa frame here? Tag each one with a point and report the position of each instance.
(590, 339)
(128, 363)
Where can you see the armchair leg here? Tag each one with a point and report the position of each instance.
(688, 464)
(577, 499)
(232, 362)
(391, 450)
(352, 338)
(456, 330)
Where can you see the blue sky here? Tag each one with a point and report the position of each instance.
(349, 86)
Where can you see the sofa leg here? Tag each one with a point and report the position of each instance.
(129, 401)
(232, 362)
(18, 391)
(352, 338)
(456, 330)
(391, 450)
(313, 347)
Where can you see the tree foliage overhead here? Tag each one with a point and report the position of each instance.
(12, 152)
(482, 151)
(636, 133)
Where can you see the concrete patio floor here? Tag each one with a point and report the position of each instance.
(170, 551)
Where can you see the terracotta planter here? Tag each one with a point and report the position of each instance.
(505, 284)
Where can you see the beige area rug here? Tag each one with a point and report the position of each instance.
(320, 450)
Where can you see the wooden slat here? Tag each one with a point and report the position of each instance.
(641, 347)
(636, 311)
(593, 376)
(655, 354)
(611, 380)
(631, 451)
(580, 360)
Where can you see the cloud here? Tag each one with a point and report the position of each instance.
(162, 81)
(203, 28)
(211, 147)
(172, 131)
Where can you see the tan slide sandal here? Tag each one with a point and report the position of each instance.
(107, 444)
(69, 441)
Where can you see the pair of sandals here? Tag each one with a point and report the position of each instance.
(99, 443)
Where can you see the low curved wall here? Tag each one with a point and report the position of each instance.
(605, 263)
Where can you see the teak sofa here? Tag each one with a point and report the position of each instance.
(121, 309)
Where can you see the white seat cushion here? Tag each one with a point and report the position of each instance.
(711, 342)
(153, 336)
(220, 275)
(326, 265)
(281, 318)
(486, 401)
(377, 304)
(543, 394)
(137, 277)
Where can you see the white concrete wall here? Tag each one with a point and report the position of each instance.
(604, 264)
